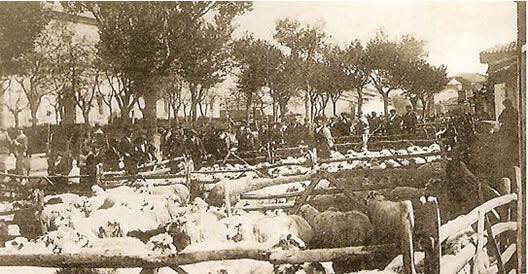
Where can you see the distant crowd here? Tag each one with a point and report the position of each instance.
(130, 148)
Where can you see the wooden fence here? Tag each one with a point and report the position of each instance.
(492, 221)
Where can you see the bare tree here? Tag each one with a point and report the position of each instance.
(15, 102)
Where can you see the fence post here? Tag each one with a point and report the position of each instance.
(406, 244)
(430, 227)
(188, 164)
(480, 240)
(504, 212)
(314, 158)
(520, 230)
(99, 175)
(227, 199)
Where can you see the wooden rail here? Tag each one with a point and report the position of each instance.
(500, 246)
(153, 261)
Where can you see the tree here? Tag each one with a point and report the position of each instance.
(252, 58)
(75, 75)
(172, 89)
(283, 80)
(20, 25)
(203, 61)
(15, 102)
(422, 81)
(389, 61)
(121, 93)
(35, 68)
(139, 41)
(383, 62)
(356, 69)
(305, 43)
(334, 75)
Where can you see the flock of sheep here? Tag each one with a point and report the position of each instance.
(148, 218)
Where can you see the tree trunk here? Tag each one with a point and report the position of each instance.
(111, 112)
(334, 107)
(194, 108)
(274, 104)
(86, 116)
(307, 109)
(34, 117)
(15, 117)
(414, 102)
(424, 108)
(360, 99)
(249, 100)
(2, 107)
(385, 105)
(69, 106)
(283, 109)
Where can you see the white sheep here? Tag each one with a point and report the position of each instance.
(269, 229)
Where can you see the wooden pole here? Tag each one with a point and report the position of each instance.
(520, 229)
(154, 261)
(99, 175)
(504, 212)
(406, 240)
(314, 158)
(302, 199)
(227, 200)
(480, 244)
(494, 246)
(430, 227)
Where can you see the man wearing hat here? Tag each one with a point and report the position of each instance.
(126, 148)
(323, 140)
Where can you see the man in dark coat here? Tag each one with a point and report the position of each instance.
(93, 159)
(126, 148)
(410, 121)
(394, 123)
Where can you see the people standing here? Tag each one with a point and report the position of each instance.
(394, 123)
(410, 121)
(5, 144)
(323, 140)
(21, 149)
(126, 148)
(365, 130)
(508, 120)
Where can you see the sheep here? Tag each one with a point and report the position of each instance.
(337, 229)
(385, 217)
(406, 193)
(269, 229)
(162, 244)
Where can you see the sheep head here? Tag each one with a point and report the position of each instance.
(308, 212)
(374, 196)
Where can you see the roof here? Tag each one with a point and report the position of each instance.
(504, 48)
(498, 53)
(470, 77)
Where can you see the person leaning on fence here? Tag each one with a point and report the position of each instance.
(323, 140)
(21, 148)
(365, 130)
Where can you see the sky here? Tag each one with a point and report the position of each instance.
(455, 32)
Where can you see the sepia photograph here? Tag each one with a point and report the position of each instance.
(265, 137)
